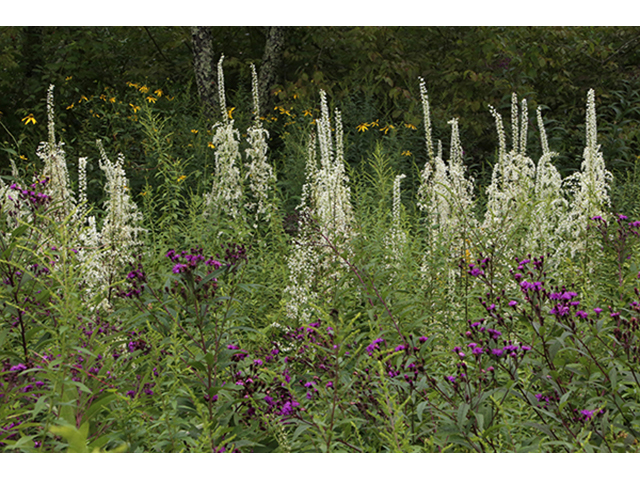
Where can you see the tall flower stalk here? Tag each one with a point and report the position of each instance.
(326, 221)
(259, 172)
(396, 240)
(590, 186)
(55, 165)
(226, 193)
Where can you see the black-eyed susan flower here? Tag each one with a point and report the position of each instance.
(181, 178)
(194, 131)
(29, 119)
(406, 153)
(363, 127)
(410, 126)
(307, 113)
(230, 112)
(112, 99)
(83, 99)
(135, 108)
(68, 78)
(386, 129)
(70, 106)
(211, 145)
(144, 89)
(158, 93)
(151, 99)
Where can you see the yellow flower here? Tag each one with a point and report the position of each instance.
(29, 119)
(144, 89)
(131, 84)
(386, 129)
(103, 97)
(283, 111)
(295, 96)
(181, 178)
(408, 125)
(135, 109)
(151, 99)
(230, 112)
(406, 153)
(158, 93)
(83, 98)
(194, 131)
(307, 113)
(169, 98)
(363, 127)
(112, 99)
(211, 145)
(70, 106)
(68, 78)
(23, 157)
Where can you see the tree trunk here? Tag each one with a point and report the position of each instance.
(203, 66)
(271, 67)
(32, 51)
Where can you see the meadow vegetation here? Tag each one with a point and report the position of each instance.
(230, 299)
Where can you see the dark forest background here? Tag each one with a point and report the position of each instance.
(104, 74)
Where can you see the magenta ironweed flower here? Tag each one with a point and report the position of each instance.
(474, 271)
(399, 348)
(451, 378)
(513, 303)
(178, 267)
(423, 339)
(287, 408)
(374, 345)
(582, 314)
(233, 347)
(597, 310)
(257, 362)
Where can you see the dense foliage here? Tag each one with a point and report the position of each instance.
(381, 276)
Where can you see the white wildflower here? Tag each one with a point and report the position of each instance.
(326, 219)
(260, 174)
(590, 186)
(396, 239)
(427, 117)
(55, 166)
(226, 193)
(120, 231)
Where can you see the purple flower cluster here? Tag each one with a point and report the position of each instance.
(374, 345)
(34, 198)
(189, 261)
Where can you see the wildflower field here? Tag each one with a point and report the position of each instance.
(392, 306)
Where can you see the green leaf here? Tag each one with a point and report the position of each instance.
(300, 430)
(480, 421)
(420, 408)
(462, 414)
